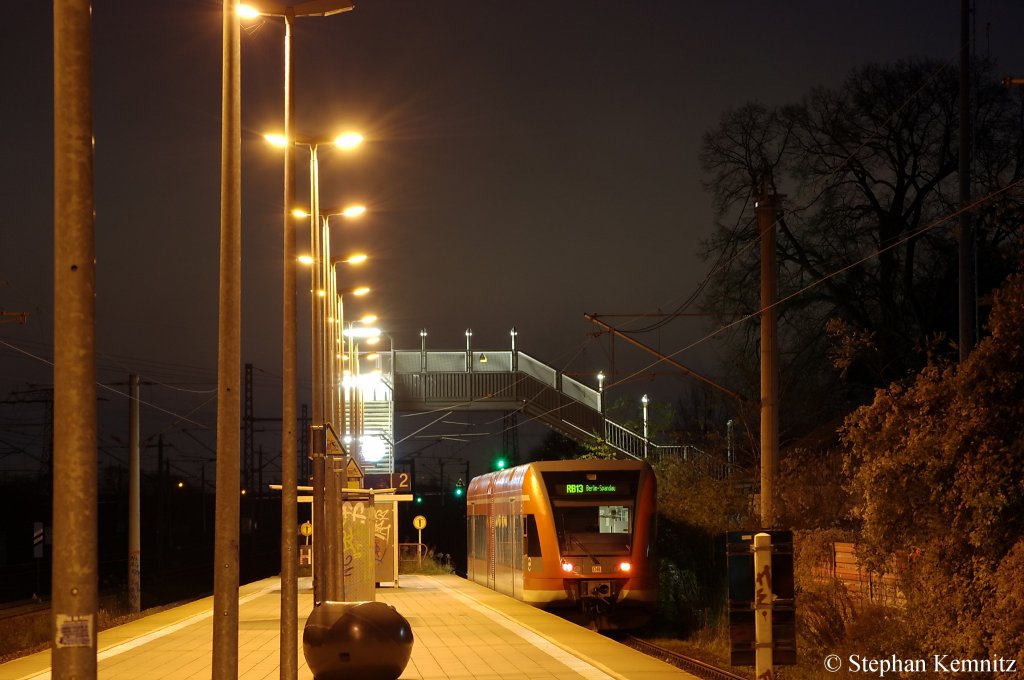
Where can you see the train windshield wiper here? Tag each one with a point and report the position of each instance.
(582, 547)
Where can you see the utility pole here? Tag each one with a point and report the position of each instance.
(134, 504)
(75, 583)
(768, 209)
(229, 341)
(967, 284)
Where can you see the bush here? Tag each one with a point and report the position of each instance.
(432, 564)
(691, 575)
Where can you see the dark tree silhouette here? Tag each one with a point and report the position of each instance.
(868, 240)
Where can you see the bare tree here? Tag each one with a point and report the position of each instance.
(866, 248)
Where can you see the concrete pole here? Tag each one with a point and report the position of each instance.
(134, 504)
(74, 576)
(289, 453)
(763, 601)
(229, 323)
(967, 285)
(767, 214)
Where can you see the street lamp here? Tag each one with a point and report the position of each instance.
(336, 322)
(320, 246)
(644, 401)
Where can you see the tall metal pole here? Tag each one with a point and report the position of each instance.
(289, 454)
(74, 585)
(327, 302)
(318, 288)
(968, 295)
(767, 214)
(229, 322)
(134, 504)
(343, 427)
(317, 416)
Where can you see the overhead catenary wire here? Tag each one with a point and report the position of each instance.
(823, 182)
(813, 284)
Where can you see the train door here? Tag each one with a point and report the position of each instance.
(490, 541)
(516, 547)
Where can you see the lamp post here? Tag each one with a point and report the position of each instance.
(647, 442)
(337, 340)
(319, 243)
(339, 354)
(289, 444)
(332, 317)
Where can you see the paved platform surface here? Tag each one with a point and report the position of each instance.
(461, 630)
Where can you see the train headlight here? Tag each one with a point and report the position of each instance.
(625, 566)
(567, 567)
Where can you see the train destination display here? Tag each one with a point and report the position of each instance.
(592, 489)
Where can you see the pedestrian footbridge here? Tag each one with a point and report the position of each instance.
(496, 380)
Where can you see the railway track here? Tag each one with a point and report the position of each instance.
(689, 664)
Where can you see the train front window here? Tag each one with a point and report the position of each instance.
(594, 529)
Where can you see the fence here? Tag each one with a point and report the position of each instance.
(865, 587)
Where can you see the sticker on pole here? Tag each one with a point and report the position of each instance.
(419, 522)
(74, 631)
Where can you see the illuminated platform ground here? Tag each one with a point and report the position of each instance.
(462, 630)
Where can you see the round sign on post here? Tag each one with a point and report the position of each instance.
(420, 522)
(306, 529)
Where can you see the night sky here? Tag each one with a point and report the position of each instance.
(525, 163)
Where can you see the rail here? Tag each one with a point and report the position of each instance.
(687, 663)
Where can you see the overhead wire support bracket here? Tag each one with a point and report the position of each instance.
(685, 369)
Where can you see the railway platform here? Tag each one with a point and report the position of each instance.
(461, 630)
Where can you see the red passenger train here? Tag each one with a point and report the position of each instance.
(571, 535)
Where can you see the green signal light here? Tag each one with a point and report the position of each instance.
(458, 491)
(419, 499)
(500, 463)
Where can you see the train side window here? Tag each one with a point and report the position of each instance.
(480, 537)
(532, 537)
